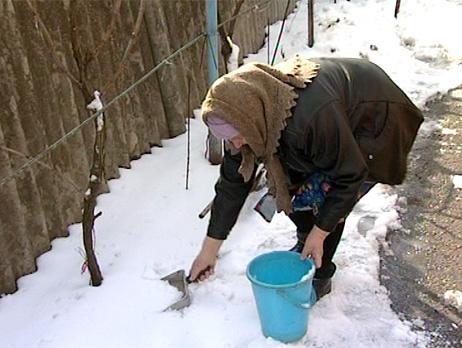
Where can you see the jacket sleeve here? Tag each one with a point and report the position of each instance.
(231, 193)
(334, 151)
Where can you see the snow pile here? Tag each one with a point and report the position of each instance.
(453, 298)
(457, 181)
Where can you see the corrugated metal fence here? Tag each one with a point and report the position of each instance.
(44, 45)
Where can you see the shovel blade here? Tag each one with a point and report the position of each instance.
(178, 280)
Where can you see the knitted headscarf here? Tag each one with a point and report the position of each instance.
(256, 100)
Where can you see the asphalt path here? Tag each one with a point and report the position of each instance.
(423, 260)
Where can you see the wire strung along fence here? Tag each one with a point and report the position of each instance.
(69, 50)
(166, 61)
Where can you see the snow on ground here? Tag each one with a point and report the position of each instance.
(457, 181)
(150, 227)
(453, 298)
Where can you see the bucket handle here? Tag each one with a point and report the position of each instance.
(303, 305)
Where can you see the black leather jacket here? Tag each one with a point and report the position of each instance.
(351, 123)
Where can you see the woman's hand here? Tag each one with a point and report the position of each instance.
(314, 245)
(204, 264)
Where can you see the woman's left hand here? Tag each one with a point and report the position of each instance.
(314, 245)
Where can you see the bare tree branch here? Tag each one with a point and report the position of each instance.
(81, 58)
(108, 33)
(133, 37)
(52, 46)
(136, 30)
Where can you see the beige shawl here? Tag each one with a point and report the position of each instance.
(256, 99)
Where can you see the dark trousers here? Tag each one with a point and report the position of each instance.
(304, 220)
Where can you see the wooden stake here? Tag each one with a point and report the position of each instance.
(398, 4)
(89, 202)
(310, 23)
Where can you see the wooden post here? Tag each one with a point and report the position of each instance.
(310, 23)
(268, 45)
(94, 188)
(398, 4)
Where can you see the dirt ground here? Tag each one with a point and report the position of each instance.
(424, 259)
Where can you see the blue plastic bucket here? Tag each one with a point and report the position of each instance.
(282, 286)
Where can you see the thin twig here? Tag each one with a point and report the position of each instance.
(52, 46)
(252, 8)
(397, 5)
(80, 58)
(107, 34)
(189, 133)
(280, 32)
(268, 44)
(136, 29)
(134, 35)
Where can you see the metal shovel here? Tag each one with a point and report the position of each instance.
(179, 280)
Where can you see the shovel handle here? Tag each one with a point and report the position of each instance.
(188, 278)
